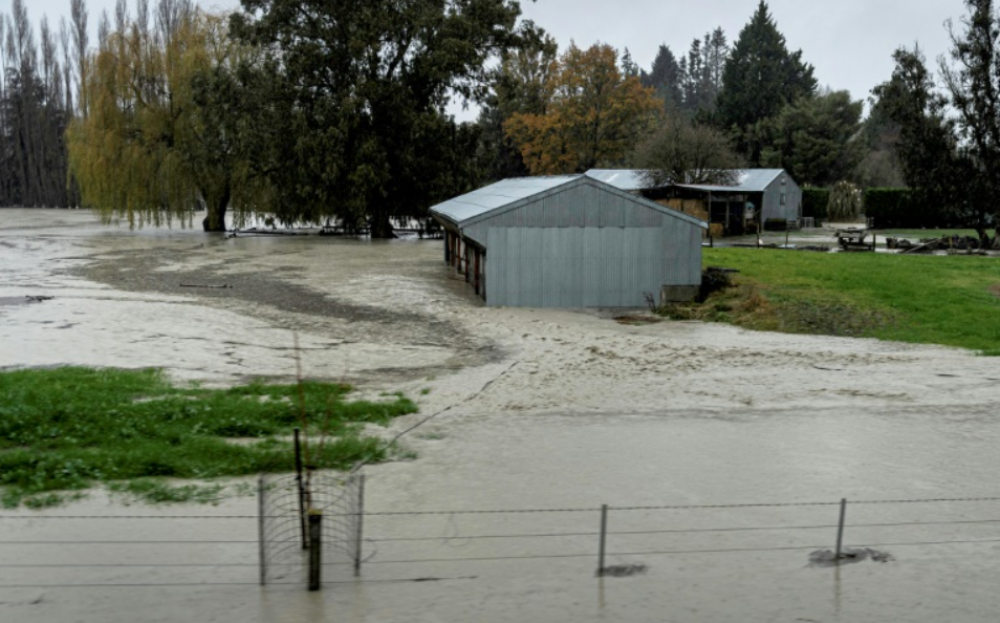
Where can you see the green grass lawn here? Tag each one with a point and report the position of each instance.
(921, 234)
(67, 428)
(954, 301)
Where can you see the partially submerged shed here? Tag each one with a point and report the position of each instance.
(570, 241)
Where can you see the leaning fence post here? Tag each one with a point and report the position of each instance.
(301, 489)
(840, 528)
(260, 530)
(360, 526)
(315, 549)
(604, 538)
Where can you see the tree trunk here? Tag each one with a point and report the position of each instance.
(380, 226)
(215, 220)
(984, 238)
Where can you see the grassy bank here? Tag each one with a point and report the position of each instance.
(925, 234)
(953, 301)
(67, 428)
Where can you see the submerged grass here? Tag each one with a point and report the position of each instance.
(951, 301)
(66, 428)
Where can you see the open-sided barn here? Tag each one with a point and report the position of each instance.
(570, 241)
(755, 196)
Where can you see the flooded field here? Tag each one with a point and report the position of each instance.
(533, 410)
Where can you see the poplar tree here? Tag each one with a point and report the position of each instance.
(33, 114)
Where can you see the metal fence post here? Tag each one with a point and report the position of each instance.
(315, 549)
(260, 530)
(840, 528)
(360, 526)
(604, 538)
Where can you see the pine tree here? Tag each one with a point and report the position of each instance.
(816, 139)
(665, 77)
(760, 77)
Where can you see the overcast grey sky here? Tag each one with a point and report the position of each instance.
(850, 42)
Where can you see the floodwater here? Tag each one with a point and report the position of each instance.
(210, 308)
(532, 410)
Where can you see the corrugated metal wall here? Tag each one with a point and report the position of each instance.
(586, 247)
(792, 208)
(584, 205)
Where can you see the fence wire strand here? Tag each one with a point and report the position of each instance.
(338, 497)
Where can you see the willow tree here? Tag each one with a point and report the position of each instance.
(152, 146)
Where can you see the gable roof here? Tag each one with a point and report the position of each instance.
(460, 210)
(513, 193)
(747, 180)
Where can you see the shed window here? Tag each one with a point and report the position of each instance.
(782, 198)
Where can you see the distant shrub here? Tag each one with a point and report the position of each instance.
(846, 203)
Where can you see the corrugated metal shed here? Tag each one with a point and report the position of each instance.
(779, 195)
(569, 241)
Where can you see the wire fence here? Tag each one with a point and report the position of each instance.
(287, 503)
(64, 550)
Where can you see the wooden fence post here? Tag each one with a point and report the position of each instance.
(315, 549)
(359, 534)
(260, 531)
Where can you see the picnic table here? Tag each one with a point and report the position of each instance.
(853, 239)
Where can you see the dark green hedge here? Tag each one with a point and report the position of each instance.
(902, 207)
(814, 202)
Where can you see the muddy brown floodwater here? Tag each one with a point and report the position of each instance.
(690, 432)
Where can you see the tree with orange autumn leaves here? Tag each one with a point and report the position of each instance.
(593, 116)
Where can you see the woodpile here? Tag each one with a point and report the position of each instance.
(930, 245)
